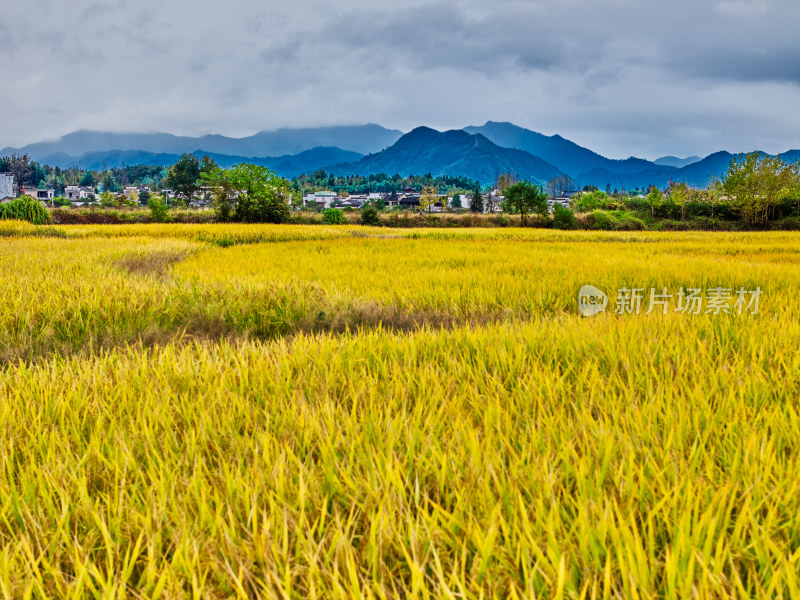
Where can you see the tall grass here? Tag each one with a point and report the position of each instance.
(178, 419)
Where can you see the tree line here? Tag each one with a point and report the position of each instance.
(755, 190)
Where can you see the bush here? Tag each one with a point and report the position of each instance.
(333, 216)
(502, 221)
(61, 201)
(788, 224)
(671, 225)
(25, 208)
(599, 220)
(563, 218)
(614, 221)
(248, 194)
(158, 209)
(698, 209)
(625, 221)
(370, 215)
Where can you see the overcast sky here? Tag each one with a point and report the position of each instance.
(643, 78)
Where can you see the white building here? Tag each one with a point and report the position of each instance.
(78, 193)
(43, 195)
(138, 189)
(6, 185)
(325, 199)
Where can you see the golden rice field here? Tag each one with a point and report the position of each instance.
(214, 411)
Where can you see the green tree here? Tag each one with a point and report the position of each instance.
(249, 194)
(158, 209)
(109, 182)
(563, 218)
(654, 200)
(476, 202)
(427, 199)
(456, 201)
(370, 215)
(107, 198)
(679, 195)
(184, 177)
(756, 183)
(21, 168)
(88, 179)
(526, 198)
(333, 216)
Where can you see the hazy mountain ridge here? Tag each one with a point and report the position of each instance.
(481, 153)
(699, 173)
(361, 139)
(674, 161)
(285, 166)
(571, 158)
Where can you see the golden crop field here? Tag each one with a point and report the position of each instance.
(214, 411)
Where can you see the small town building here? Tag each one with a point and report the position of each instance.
(6, 185)
(43, 195)
(325, 198)
(78, 193)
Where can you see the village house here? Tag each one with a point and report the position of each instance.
(6, 186)
(43, 195)
(78, 193)
(564, 198)
(324, 199)
(139, 189)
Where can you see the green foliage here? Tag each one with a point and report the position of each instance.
(525, 198)
(617, 220)
(61, 201)
(654, 200)
(679, 196)
(109, 183)
(25, 208)
(563, 218)
(107, 199)
(333, 216)
(184, 176)
(427, 199)
(589, 201)
(25, 171)
(456, 201)
(756, 183)
(370, 215)
(158, 209)
(476, 201)
(88, 179)
(248, 194)
(380, 182)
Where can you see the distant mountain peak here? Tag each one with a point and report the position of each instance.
(674, 161)
(450, 153)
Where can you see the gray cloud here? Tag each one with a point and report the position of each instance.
(623, 77)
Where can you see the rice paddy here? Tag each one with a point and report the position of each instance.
(214, 411)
